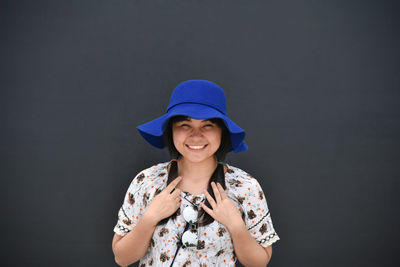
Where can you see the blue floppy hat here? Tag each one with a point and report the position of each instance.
(198, 99)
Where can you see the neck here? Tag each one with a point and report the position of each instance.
(197, 171)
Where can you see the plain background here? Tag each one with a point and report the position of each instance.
(315, 84)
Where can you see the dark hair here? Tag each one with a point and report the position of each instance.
(218, 176)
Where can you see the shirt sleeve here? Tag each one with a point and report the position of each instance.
(133, 206)
(257, 214)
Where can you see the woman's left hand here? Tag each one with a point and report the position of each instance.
(223, 210)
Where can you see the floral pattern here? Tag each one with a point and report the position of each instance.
(215, 247)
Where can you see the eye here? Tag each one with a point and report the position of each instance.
(209, 125)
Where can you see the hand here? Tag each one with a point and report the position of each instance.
(223, 210)
(165, 203)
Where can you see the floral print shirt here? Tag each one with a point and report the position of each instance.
(215, 247)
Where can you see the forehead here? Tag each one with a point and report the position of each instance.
(180, 118)
(191, 119)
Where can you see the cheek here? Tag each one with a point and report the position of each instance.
(217, 138)
(177, 137)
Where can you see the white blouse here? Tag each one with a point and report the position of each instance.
(215, 247)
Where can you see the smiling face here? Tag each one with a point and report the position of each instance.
(196, 140)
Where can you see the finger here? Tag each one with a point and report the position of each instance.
(207, 209)
(177, 191)
(216, 192)
(210, 199)
(173, 184)
(222, 191)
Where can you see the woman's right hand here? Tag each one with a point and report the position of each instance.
(165, 203)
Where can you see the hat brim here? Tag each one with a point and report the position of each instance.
(152, 131)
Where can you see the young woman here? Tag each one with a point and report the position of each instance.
(194, 210)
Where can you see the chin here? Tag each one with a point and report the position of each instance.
(195, 159)
(198, 158)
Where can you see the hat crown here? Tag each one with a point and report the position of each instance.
(201, 92)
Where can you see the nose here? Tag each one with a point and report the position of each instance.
(196, 132)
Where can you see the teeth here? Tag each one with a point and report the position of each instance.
(197, 147)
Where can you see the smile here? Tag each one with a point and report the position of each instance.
(196, 148)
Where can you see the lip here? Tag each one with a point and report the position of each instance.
(196, 150)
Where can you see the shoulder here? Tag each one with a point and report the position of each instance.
(239, 178)
(240, 184)
(151, 176)
(247, 191)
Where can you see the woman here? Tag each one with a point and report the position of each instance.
(194, 210)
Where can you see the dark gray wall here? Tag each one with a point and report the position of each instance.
(314, 83)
